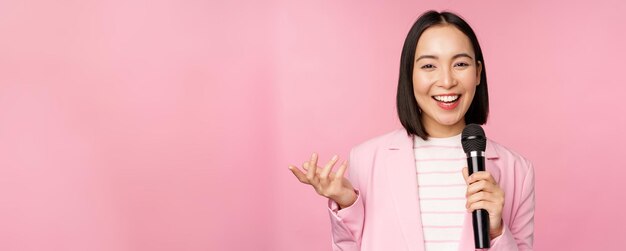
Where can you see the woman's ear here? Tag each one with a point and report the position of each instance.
(479, 71)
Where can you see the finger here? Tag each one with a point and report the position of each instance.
(465, 174)
(312, 165)
(309, 174)
(482, 175)
(481, 185)
(486, 205)
(299, 174)
(480, 196)
(494, 198)
(477, 205)
(328, 167)
(305, 165)
(342, 169)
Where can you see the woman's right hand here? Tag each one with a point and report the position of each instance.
(327, 183)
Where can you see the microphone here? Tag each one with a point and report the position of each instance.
(474, 143)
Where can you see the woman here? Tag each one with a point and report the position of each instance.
(409, 189)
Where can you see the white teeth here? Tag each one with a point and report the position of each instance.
(447, 98)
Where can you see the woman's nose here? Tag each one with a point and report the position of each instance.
(446, 79)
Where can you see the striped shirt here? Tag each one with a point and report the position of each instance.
(442, 189)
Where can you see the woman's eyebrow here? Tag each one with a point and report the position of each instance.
(462, 55)
(453, 57)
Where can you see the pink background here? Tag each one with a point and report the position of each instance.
(169, 125)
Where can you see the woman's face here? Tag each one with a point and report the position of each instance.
(445, 76)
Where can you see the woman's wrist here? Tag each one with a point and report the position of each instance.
(497, 232)
(346, 199)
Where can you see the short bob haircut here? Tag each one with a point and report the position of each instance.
(409, 111)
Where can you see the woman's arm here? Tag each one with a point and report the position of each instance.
(519, 234)
(347, 223)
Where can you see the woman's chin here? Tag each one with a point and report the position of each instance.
(448, 121)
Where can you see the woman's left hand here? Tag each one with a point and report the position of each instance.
(483, 192)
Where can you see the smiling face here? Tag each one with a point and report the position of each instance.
(445, 77)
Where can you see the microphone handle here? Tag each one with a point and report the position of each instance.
(480, 217)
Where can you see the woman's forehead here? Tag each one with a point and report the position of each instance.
(442, 41)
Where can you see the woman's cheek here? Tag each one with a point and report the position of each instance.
(469, 78)
(421, 84)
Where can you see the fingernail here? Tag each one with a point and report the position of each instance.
(335, 157)
(289, 167)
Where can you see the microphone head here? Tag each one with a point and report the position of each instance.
(473, 138)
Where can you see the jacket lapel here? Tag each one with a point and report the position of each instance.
(402, 178)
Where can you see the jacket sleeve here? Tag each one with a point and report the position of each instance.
(519, 234)
(347, 223)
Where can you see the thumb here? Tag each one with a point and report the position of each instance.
(465, 174)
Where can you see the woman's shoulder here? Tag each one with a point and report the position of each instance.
(514, 173)
(364, 154)
(506, 154)
(382, 140)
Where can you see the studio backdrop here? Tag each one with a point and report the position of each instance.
(169, 124)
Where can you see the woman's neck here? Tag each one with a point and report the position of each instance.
(436, 130)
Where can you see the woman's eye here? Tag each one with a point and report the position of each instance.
(428, 66)
(461, 64)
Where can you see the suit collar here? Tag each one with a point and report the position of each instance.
(399, 165)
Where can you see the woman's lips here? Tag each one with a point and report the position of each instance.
(447, 105)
